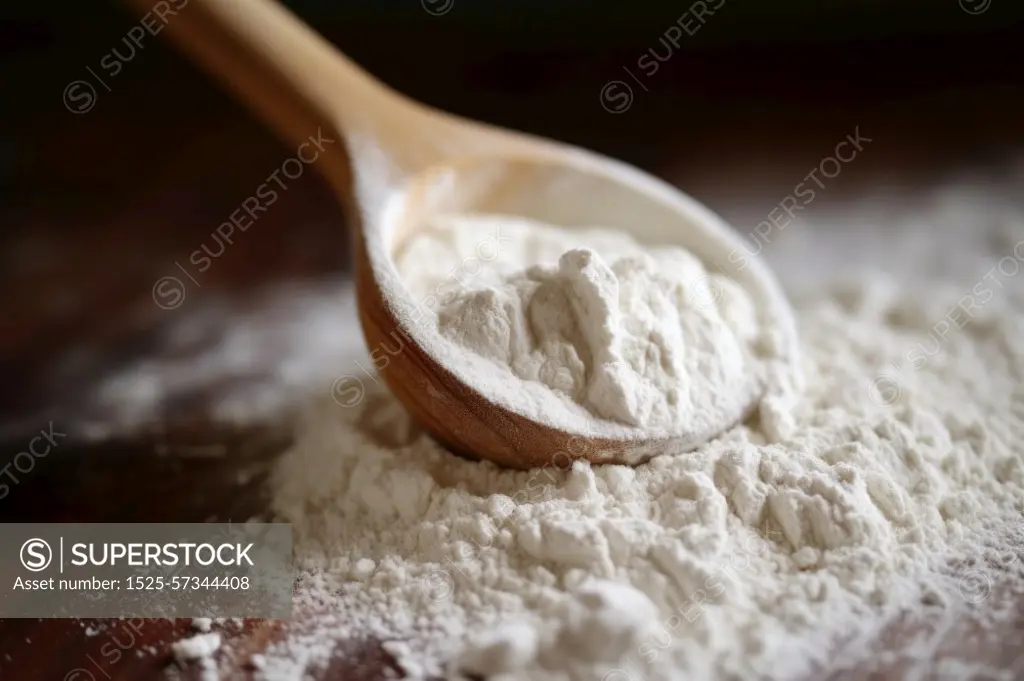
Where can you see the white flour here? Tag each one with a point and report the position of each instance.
(898, 492)
(743, 559)
(645, 337)
(200, 649)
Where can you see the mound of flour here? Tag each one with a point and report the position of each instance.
(643, 337)
(751, 557)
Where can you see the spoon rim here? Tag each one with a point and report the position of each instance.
(777, 373)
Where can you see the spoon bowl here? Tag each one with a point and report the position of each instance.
(405, 163)
(590, 190)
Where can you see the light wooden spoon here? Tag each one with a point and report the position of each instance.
(406, 162)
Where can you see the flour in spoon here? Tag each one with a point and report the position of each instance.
(645, 337)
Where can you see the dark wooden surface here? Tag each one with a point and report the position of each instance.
(110, 200)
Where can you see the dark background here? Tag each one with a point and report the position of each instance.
(758, 73)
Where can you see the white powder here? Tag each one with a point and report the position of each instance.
(750, 557)
(647, 338)
(197, 647)
(756, 556)
(200, 648)
(246, 365)
(203, 624)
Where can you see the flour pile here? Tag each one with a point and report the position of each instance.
(752, 557)
(643, 337)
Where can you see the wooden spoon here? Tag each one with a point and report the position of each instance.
(406, 162)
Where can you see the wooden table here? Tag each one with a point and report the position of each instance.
(80, 270)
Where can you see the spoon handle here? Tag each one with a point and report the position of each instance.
(287, 73)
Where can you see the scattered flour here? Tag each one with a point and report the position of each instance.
(644, 337)
(196, 648)
(203, 624)
(747, 558)
(200, 648)
(248, 365)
